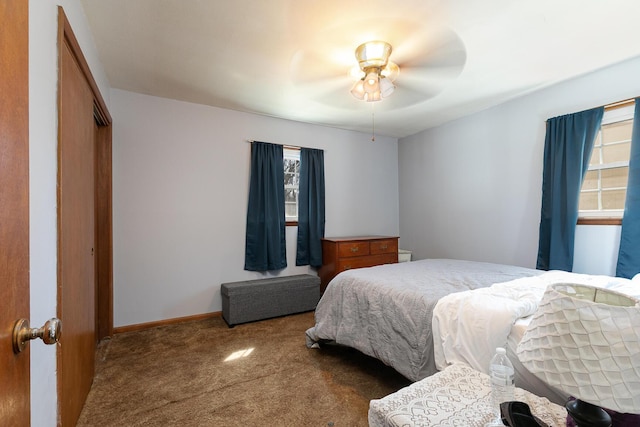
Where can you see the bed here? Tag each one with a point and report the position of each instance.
(386, 311)
(422, 316)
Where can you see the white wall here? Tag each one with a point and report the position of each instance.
(472, 188)
(180, 191)
(596, 249)
(43, 74)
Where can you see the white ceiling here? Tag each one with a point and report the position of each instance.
(290, 58)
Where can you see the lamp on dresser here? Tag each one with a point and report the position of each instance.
(585, 341)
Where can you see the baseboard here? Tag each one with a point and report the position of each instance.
(149, 325)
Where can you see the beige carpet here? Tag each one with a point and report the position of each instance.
(178, 375)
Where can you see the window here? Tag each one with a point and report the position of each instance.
(604, 188)
(291, 183)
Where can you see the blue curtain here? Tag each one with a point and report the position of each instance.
(311, 212)
(265, 247)
(567, 150)
(629, 253)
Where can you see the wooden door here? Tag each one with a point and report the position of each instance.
(85, 249)
(14, 208)
(76, 240)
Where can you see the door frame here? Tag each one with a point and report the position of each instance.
(103, 194)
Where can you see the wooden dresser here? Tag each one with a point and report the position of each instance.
(344, 253)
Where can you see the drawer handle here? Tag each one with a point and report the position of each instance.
(384, 246)
(355, 249)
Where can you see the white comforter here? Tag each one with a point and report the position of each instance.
(386, 311)
(468, 326)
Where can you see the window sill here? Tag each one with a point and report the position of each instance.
(599, 221)
(291, 223)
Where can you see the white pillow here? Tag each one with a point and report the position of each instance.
(636, 278)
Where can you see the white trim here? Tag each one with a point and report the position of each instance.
(612, 165)
(617, 115)
(611, 213)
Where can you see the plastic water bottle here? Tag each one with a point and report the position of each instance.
(502, 383)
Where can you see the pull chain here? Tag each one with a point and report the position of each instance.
(373, 122)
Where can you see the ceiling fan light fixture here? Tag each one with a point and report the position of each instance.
(379, 72)
(386, 87)
(371, 81)
(391, 71)
(373, 96)
(357, 90)
(373, 54)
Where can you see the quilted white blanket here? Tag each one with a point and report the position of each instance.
(468, 326)
(386, 311)
(455, 397)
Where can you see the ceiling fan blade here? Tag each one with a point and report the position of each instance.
(437, 47)
(339, 98)
(313, 65)
(320, 88)
(428, 63)
(415, 77)
(404, 97)
(444, 65)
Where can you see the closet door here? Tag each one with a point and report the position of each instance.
(76, 239)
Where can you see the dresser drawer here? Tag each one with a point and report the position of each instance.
(352, 249)
(367, 261)
(387, 246)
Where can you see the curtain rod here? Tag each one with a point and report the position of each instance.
(610, 105)
(616, 103)
(295, 147)
(619, 103)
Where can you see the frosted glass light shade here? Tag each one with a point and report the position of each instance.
(386, 87)
(391, 71)
(358, 89)
(372, 96)
(585, 341)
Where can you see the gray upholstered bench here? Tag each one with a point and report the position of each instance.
(259, 299)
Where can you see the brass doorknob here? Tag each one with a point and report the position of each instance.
(49, 333)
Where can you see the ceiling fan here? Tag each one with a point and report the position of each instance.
(379, 72)
(414, 65)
